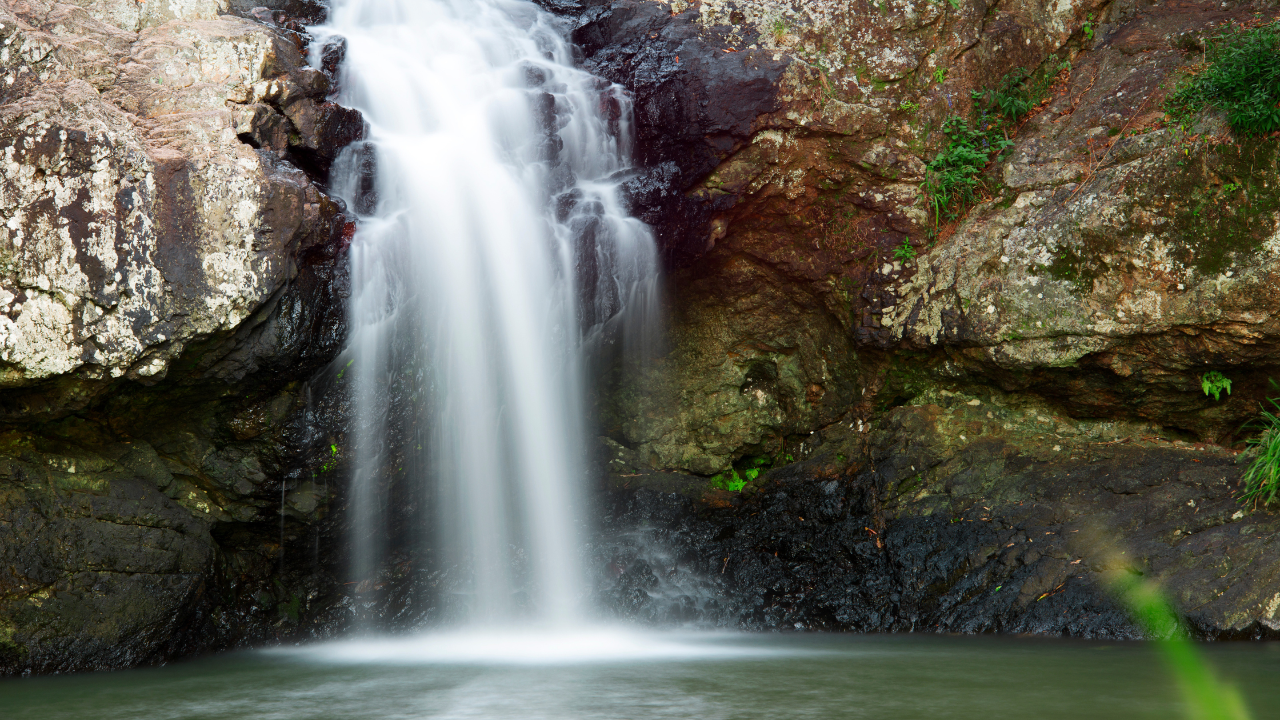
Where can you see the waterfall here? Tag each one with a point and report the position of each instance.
(491, 242)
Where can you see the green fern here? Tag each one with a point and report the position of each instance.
(1214, 382)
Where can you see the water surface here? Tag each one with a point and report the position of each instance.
(638, 677)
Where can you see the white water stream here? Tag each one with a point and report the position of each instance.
(491, 241)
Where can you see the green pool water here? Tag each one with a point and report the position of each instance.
(656, 676)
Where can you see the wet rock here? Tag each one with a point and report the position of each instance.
(169, 281)
(309, 12)
(958, 518)
(697, 100)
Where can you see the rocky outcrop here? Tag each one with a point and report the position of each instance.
(1114, 260)
(172, 276)
(956, 514)
(831, 319)
(135, 218)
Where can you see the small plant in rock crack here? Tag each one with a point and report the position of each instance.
(1012, 98)
(1214, 382)
(1262, 479)
(1241, 78)
(951, 180)
(904, 251)
(732, 481)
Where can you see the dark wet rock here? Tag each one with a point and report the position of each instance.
(695, 103)
(312, 11)
(933, 530)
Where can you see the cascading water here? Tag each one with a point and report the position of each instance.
(491, 241)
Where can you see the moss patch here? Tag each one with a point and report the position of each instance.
(1214, 206)
(1231, 200)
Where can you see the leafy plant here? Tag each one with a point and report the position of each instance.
(1087, 28)
(1214, 382)
(1012, 98)
(732, 481)
(905, 251)
(1241, 79)
(1262, 479)
(909, 107)
(951, 180)
(940, 75)
(729, 480)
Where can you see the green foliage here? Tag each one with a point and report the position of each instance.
(332, 462)
(1214, 382)
(909, 107)
(729, 480)
(905, 251)
(1262, 479)
(1087, 28)
(940, 75)
(1012, 97)
(290, 609)
(1242, 80)
(750, 468)
(951, 180)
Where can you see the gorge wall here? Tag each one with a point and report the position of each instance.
(937, 420)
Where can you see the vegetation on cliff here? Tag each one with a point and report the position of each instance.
(1240, 78)
(952, 179)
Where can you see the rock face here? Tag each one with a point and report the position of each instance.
(171, 274)
(135, 218)
(1114, 260)
(953, 515)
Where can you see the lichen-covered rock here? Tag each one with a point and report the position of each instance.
(1116, 261)
(133, 219)
(751, 366)
(1123, 258)
(171, 275)
(135, 15)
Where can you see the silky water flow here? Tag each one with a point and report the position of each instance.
(491, 243)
